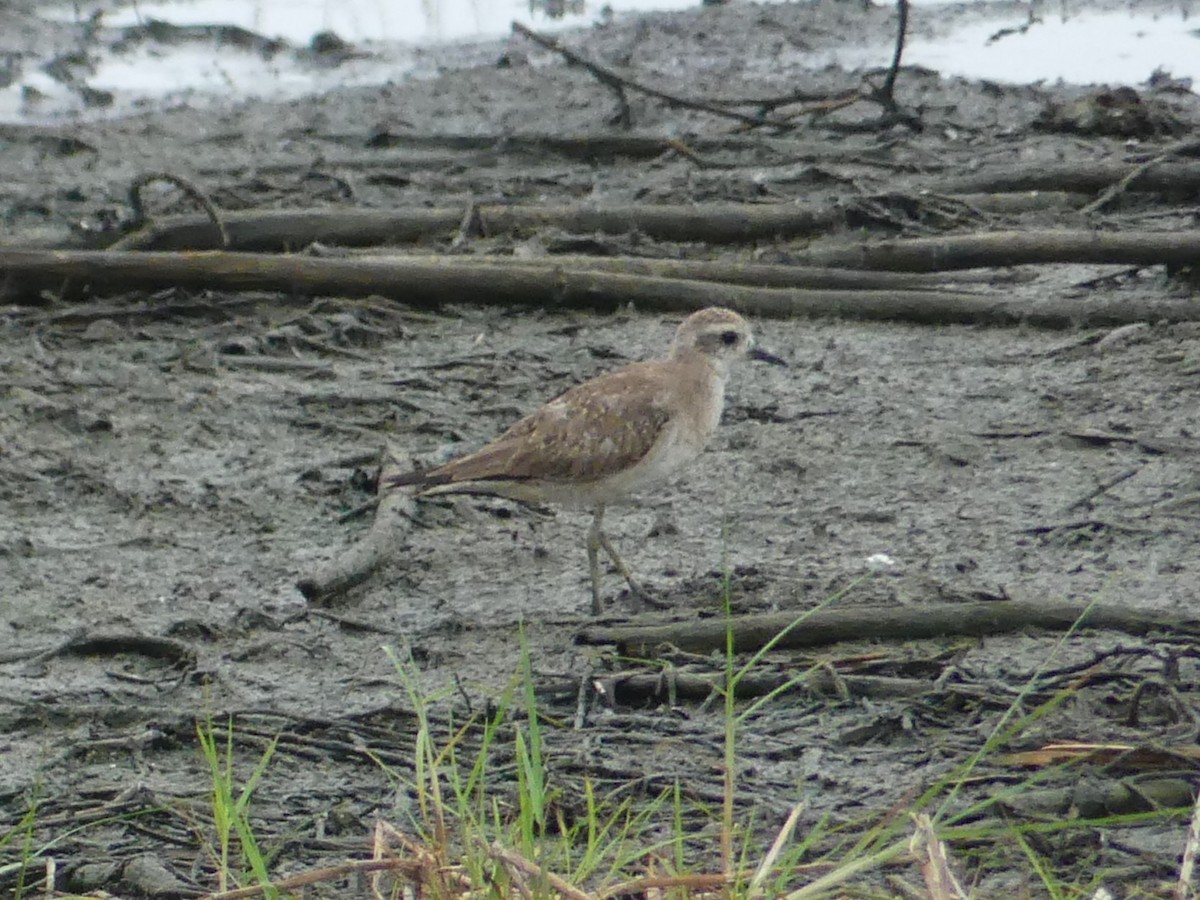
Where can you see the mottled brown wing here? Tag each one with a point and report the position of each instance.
(595, 429)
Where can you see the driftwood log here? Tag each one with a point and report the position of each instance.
(26, 272)
(1013, 248)
(713, 224)
(432, 283)
(878, 623)
(719, 223)
(727, 271)
(1179, 178)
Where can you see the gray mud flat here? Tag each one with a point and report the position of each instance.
(173, 463)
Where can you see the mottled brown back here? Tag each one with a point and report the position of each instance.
(589, 432)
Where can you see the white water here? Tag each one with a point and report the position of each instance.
(1069, 44)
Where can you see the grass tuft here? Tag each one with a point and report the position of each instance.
(231, 810)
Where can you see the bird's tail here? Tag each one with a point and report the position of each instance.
(416, 477)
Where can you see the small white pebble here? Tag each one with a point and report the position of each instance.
(880, 562)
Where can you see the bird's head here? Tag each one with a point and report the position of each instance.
(722, 336)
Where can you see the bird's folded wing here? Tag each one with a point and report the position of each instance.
(594, 430)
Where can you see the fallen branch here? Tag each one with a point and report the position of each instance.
(411, 869)
(589, 147)
(1020, 202)
(412, 152)
(1013, 248)
(718, 223)
(1111, 193)
(189, 188)
(619, 84)
(893, 623)
(636, 689)
(174, 653)
(361, 559)
(731, 272)
(1078, 177)
(426, 284)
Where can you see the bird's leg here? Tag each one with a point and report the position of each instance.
(596, 539)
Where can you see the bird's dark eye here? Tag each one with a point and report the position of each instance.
(729, 338)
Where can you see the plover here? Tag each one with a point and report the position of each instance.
(610, 436)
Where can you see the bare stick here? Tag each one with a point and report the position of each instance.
(329, 873)
(360, 560)
(887, 94)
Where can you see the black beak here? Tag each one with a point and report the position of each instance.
(764, 356)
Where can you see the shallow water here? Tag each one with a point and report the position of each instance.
(1082, 43)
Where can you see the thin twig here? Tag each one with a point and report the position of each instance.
(888, 92)
(188, 187)
(408, 867)
(1112, 192)
(1102, 488)
(619, 84)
